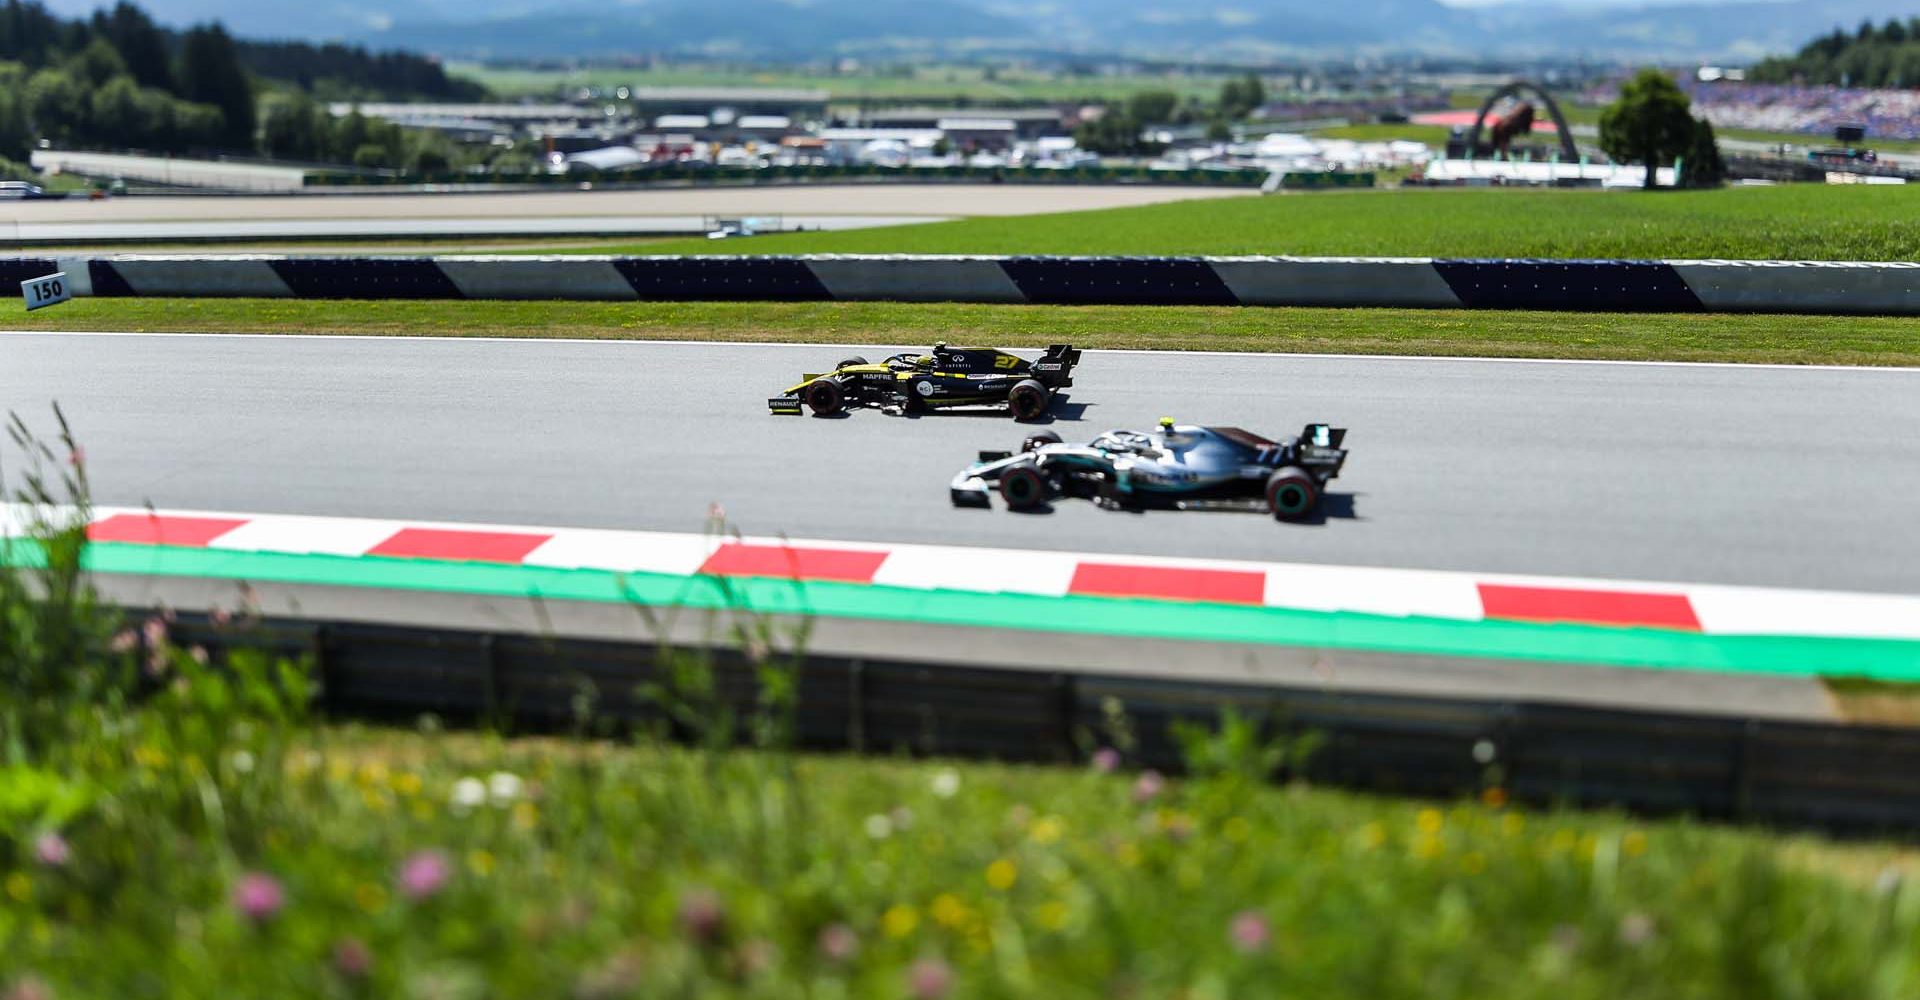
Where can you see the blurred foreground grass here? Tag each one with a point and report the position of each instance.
(382, 863)
(1850, 340)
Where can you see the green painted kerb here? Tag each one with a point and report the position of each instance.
(1883, 659)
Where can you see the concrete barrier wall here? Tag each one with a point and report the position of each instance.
(1578, 285)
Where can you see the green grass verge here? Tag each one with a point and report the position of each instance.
(1790, 222)
(1654, 337)
(380, 863)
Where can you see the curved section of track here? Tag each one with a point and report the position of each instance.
(1723, 474)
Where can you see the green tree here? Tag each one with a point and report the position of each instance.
(1240, 96)
(293, 128)
(1152, 107)
(371, 154)
(210, 73)
(196, 126)
(1115, 133)
(1650, 124)
(98, 63)
(56, 104)
(140, 43)
(1702, 166)
(120, 115)
(16, 133)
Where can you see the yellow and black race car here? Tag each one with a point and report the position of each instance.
(946, 378)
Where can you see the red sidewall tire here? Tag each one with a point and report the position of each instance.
(1292, 493)
(1022, 487)
(825, 398)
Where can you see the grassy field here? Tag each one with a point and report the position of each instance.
(1803, 222)
(1664, 337)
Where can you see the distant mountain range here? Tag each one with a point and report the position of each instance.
(1221, 29)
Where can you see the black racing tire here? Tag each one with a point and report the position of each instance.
(850, 362)
(1028, 399)
(1292, 493)
(1023, 487)
(826, 397)
(1038, 440)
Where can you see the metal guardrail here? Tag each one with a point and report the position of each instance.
(1838, 778)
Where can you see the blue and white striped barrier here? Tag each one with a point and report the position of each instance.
(1418, 282)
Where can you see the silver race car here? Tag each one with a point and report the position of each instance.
(1177, 466)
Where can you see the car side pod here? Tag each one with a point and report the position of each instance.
(784, 404)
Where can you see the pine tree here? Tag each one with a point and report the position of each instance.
(210, 73)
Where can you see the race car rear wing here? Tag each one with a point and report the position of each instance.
(1319, 447)
(1055, 368)
(1323, 435)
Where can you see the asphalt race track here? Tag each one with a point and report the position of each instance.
(1702, 473)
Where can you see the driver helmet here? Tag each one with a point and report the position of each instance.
(1174, 436)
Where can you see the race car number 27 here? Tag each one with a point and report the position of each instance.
(47, 291)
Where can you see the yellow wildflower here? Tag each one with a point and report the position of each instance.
(1430, 821)
(525, 815)
(407, 783)
(899, 920)
(1002, 874)
(1512, 824)
(19, 887)
(948, 910)
(1047, 829)
(1053, 915)
(1633, 844)
(480, 862)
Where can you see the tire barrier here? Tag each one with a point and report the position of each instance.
(1571, 285)
(1839, 778)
